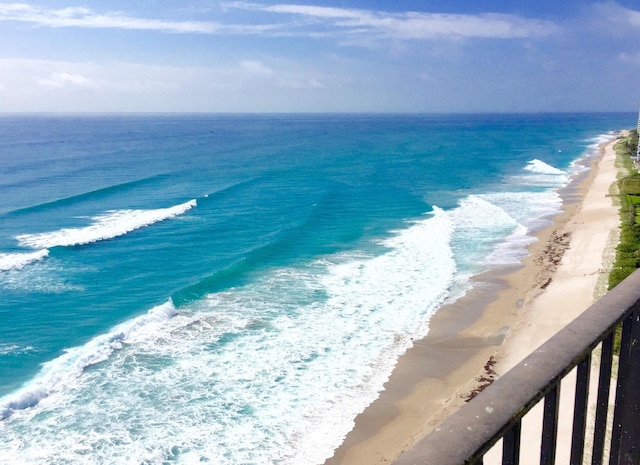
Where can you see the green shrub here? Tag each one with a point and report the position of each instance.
(618, 275)
(628, 250)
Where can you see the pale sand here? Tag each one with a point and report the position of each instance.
(572, 288)
(496, 326)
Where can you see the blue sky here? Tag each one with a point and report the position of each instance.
(319, 56)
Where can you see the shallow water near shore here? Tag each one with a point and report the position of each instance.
(236, 289)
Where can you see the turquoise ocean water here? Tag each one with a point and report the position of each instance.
(235, 289)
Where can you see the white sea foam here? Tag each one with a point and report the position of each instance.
(40, 276)
(538, 166)
(495, 229)
(13, 349)
(531, 209)
(579, 166)
(480, 226)
(477, 213)
(512, 250)
(17, 261)
(211, 384)
(540, 174)
(107, 226)
(396, 294)
(601, 139)
(61, 373)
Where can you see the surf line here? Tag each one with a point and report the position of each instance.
(107, 226)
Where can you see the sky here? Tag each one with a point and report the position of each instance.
(413, 56)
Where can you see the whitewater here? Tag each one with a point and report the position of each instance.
(236, 289)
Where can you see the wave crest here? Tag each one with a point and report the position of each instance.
(17, 261)
(107, 226)
(538, 166)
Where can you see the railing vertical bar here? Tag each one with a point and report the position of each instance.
(623, 372)
(511, 445)
(550, 426)
(630, 431)
(602, 405)
(580, 411)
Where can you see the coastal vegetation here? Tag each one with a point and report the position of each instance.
(628, 250)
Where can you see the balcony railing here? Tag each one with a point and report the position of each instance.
(497, 412)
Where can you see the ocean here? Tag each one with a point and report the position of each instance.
(235, 289)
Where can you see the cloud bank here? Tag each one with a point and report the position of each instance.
(412, 25)
(86, 18)
(298, 20)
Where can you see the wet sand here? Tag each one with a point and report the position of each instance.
(505, 317)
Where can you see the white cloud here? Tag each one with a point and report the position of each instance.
(28, 77)
(256, 68)
(47, 85)
(620, 14)
(412, 25)
(286, 75)
(293, 83)
(86, 18)
(616, 19)
(633, 17)
(319, 22)
(426, 77)
(306, 10)
(630, 57)
(59, 79)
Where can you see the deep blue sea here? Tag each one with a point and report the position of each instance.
(235, 289)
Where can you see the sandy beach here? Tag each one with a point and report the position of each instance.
(481, 336)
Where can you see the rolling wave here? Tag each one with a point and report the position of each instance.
(17, 261)
(107, 226)
(543, 175)
(91, 195)
(280, 245)
(538, 166)
(214, 282)
(293, 240)
(231, 189)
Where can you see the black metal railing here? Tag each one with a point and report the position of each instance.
(497, 412)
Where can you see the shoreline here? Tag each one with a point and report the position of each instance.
(506, 315)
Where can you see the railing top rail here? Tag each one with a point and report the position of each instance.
(474, 428)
